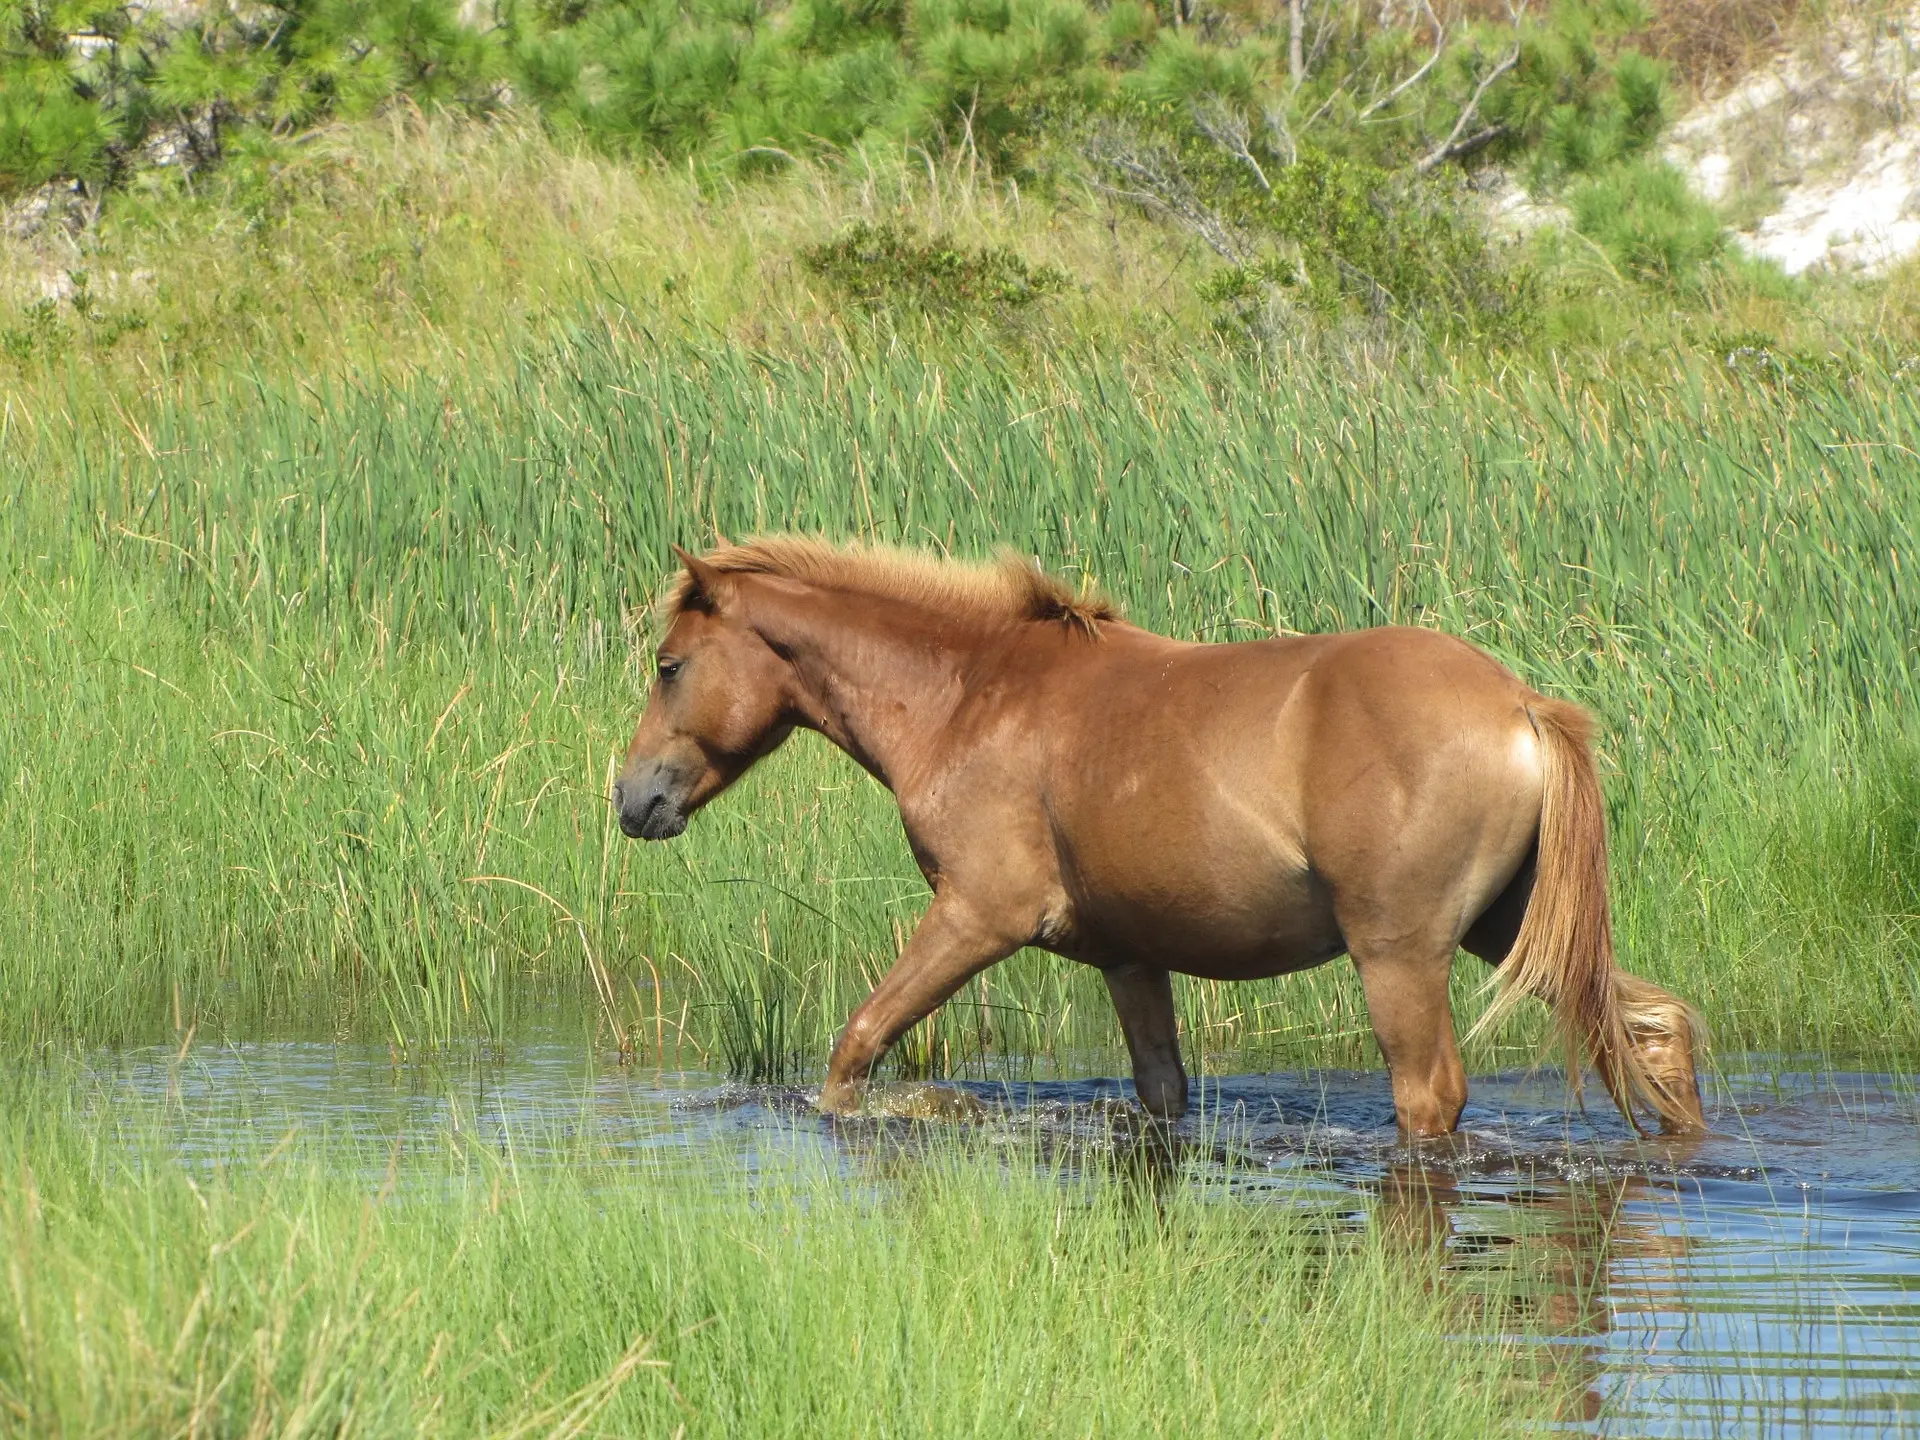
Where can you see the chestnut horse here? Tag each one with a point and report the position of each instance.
(1142, 805)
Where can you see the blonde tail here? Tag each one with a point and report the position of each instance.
(1641, 1038)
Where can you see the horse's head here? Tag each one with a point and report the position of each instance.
(719, 702)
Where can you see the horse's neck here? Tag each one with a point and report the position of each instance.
(879, 685)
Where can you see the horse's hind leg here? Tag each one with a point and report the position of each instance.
(1405, 980)
(1143, 997)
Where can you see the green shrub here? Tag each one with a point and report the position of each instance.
(41, 335)
(46, 129)
(1331, 235)
(1616, 124)
(1648, 222)
(281, 64)
(1389, 243)
(881, 267)
(1127, 30)
(1179, 71)
(824, 75)
(985, 68)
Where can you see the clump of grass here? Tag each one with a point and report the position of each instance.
(403, 241)
(1645, 217)
(1803, 890)
(885, 265)
(303, 1286)
(758, 1039)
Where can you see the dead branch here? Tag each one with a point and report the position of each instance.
(1280, 138)
(1453, 145)
(1322, 37)
(1378, 299)
(1439, 44)
(1154, 183)
(1227, 128)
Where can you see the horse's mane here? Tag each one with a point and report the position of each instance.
(1006, 590)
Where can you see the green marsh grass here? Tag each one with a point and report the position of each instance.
(305, 1286)
(311, 692)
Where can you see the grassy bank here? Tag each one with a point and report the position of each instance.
(305, 1287)
(314, 689)
(410, 241)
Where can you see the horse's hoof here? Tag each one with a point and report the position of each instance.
(840, 1100)
(923, 1101)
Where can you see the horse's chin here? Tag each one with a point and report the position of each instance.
(664, 824)
(662, 821)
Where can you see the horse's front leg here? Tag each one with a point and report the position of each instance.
(1143, 998)
(954, 942)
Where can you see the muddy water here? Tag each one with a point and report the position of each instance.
(1763, 1281)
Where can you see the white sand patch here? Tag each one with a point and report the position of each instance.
(1822, 148)
(1511, 210)
(1866, 221)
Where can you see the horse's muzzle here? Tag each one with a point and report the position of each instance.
(645, 808)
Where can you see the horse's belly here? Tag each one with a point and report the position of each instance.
(1283, 925)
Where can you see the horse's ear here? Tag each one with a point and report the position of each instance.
(704, 582)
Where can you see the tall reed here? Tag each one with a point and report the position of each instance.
(311, 692)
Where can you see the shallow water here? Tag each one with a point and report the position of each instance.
(1762, 1281)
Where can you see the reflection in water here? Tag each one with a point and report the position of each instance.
(1764, 1280)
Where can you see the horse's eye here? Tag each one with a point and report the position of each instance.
(668, 669)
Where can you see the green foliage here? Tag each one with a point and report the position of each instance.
(46, 129)
(878, 267)
(1647, 220)
(1179, 71)
(1568, 71)
(347, 57)
(1127, 29)
(650, 75)
(746, 86)
(1391, 244)
(1329, 234)
(828, 77)
(1328, 184)
(1617, 124)
(982, 65)
(40, 336)
(79, 115)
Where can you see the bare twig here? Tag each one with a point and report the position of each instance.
(1326, 105)
(1322, 37)
(1439, 44)
(1227, 128)
(1154, 184)
(1453, 145)
(1379, 299)
(1279, 138)
(1296, 42)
